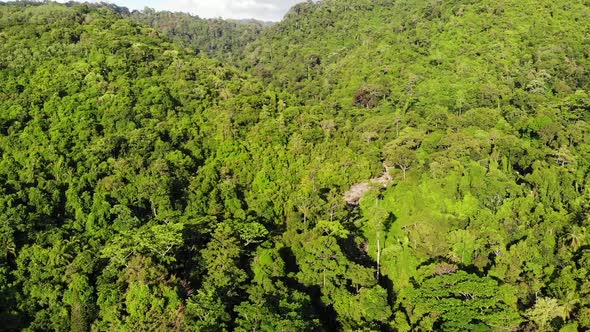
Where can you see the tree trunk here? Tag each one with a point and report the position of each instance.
(378, 257)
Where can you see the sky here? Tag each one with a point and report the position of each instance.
(265, 10)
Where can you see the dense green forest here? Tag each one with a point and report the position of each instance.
(222, 39)
(162, 172)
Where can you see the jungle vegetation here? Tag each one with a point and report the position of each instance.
(162, 172)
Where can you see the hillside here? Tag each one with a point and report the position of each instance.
(415, 50)
(141, 184)
(222, 39)
(485, 106)
(162, 172)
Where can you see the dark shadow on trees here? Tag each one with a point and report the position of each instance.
(326, 314)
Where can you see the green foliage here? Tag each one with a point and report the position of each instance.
(544, 311)
(461, 301)
(222, 39)
(146, 186)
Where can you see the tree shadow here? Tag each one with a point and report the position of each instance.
(326, 314)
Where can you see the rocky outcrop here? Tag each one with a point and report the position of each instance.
(356, 192)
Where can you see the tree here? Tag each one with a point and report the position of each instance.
(369, 96)
(462, 301)
(399, 156)
(544, 311)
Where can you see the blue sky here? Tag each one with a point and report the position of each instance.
(266, 10)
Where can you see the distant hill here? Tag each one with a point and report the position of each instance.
(452, 54)
(223, 39)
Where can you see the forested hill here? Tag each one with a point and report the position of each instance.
(456, 54)
(223, 39)
(146, 187)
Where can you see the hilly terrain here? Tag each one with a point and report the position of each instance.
(222, 39)
(371, 165)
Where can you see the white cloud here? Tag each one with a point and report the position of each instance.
(261, 9)
(267, 10)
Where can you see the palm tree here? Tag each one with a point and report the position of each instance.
(544, 311)
(570, 303)
(576, 236)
